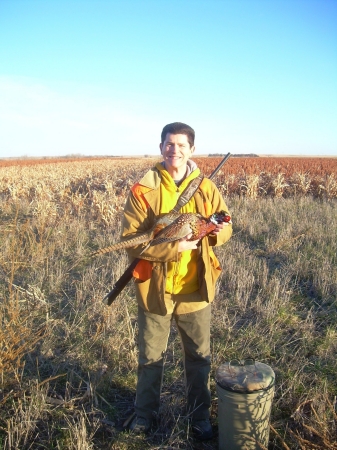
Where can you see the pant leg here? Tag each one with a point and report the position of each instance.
(154, 331)
(194, 329)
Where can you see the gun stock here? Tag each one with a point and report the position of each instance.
(121, 283)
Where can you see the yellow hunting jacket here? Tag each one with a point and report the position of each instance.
(166, 279)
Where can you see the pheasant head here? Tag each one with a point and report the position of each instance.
(220, 217)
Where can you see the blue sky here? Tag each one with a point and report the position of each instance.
(103, 77)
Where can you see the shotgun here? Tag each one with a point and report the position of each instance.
(127, 275)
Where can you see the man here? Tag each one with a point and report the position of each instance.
(174, 280)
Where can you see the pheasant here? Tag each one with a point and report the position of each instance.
(172, 227)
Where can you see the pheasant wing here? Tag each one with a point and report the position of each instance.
(172, 233)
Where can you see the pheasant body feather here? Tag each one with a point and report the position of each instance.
(190, 223)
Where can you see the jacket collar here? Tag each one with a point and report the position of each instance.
(153, 177)
(152, 180)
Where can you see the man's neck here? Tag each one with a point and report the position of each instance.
(177, 174)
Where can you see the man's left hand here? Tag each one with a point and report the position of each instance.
(221, 226)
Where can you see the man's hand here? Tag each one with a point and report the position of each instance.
(184, 244)
(221, 226)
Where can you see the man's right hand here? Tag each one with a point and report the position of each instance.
(184, 244)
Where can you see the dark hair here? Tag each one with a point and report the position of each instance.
(178, 128)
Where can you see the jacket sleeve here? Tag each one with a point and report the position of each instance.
(218, 204)
(138, 220)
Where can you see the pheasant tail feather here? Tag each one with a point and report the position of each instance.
(124, 244)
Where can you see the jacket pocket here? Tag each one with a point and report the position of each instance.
(150, 293)
(215, 266)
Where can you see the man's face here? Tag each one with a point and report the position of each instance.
(176, 150)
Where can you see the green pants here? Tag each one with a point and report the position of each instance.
(154, 330)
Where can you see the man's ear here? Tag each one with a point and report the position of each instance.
(192, 149)
(161, 147)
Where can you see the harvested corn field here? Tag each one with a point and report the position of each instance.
(99, 186)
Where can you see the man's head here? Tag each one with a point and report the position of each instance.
(176, 147)
(178, 128)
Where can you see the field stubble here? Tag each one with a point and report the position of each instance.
(68, 363)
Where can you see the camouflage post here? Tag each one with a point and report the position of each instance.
(245, 392)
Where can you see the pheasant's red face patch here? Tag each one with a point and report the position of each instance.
(220, 217)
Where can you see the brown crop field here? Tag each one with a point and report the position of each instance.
(68, 362)
(101, 184)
